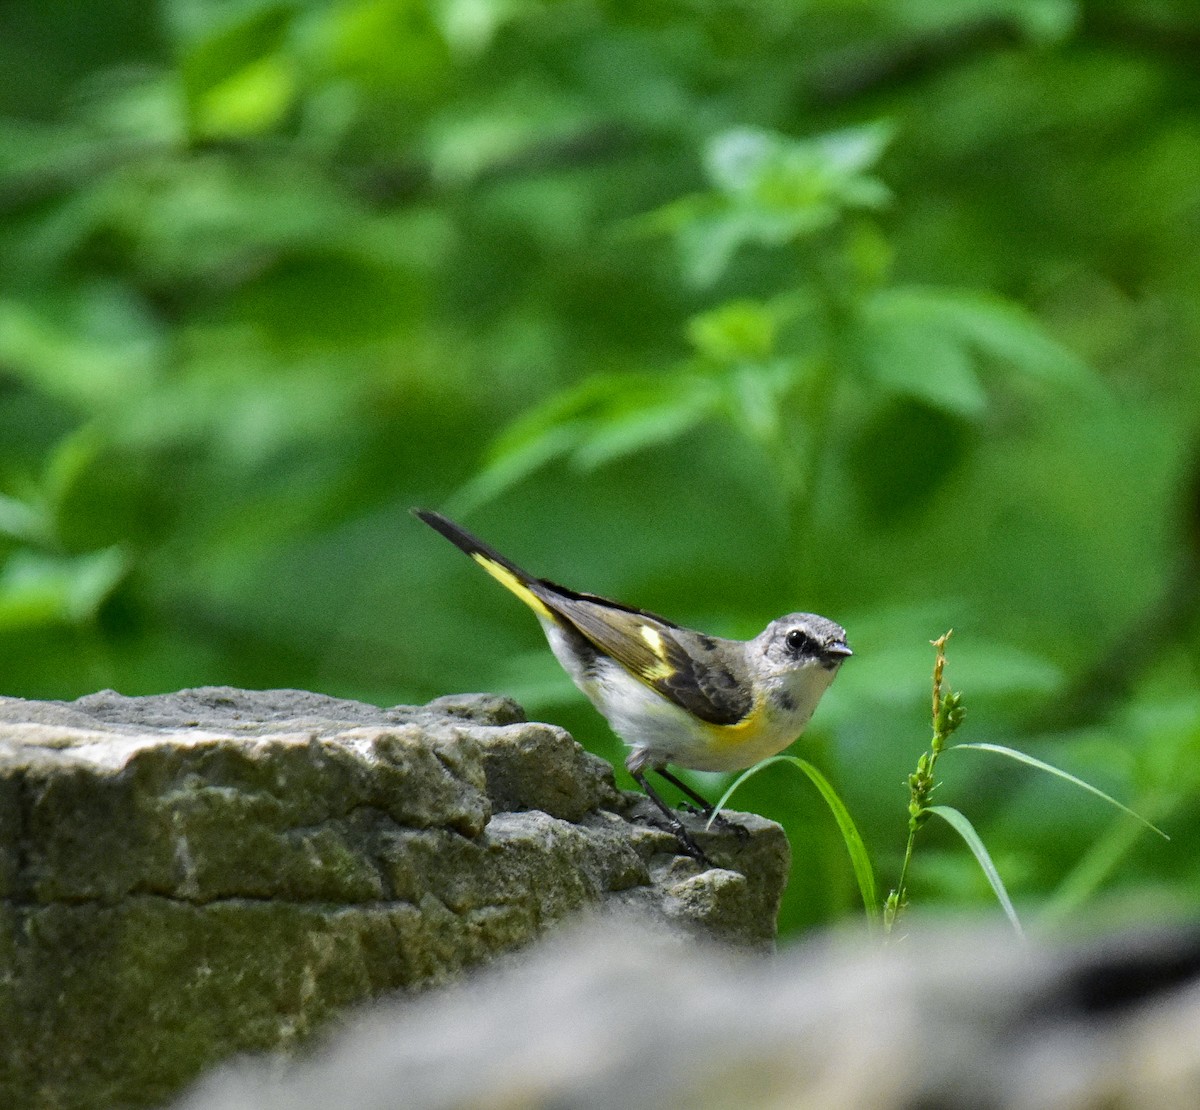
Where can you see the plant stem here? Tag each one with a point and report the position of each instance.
(893, 907)
(818, 409)
(947, 716)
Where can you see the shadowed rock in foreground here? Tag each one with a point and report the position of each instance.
(194, 875)
(611, 1017)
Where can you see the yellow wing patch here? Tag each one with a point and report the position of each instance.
(663, 668)
(510, 581)
(655, 652)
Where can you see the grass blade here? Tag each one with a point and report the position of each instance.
(857, 849)
(1089, 874)
(859, 859)
(749, 773)
(966, 830)
(1049, 768)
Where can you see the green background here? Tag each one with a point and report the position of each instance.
(884, 310)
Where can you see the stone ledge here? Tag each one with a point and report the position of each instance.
(189, 876)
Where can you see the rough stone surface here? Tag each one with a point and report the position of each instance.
(192, 875)
(610, 1017)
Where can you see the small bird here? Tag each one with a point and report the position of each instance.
(676, 696)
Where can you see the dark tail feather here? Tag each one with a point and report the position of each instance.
(463, 540)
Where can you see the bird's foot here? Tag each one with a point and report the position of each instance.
(690, 847)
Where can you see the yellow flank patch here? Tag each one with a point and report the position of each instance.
(745, 731)
(510, 581)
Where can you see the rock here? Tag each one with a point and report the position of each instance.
(611, 1016)
(193, 875)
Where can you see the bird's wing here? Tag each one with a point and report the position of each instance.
(683, 666)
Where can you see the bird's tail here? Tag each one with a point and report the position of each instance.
(504, 570)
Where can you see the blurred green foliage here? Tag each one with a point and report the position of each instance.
(888, 310)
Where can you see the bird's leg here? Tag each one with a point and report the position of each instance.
(706, 807)
(673, 822)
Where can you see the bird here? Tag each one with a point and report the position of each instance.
(675, 696)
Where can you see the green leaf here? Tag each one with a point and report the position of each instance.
(857, 849)
(791, 173)
(22, 521)
(1049, 768)
(664, 410)
(235, 75)
(1087, 876)
(966, 830)
(37, 589)
(708, 243)
(603, 418)
(770, 189)
(547, 431)
(756, 397)
(318, 301)
(70, 460)
(737, 331)
(910, 359)
(469, 26)
(390, 47)
(1047, 22)
(91, 579)
(991, 326)
(513, 459)
(95, 346)
(251, 101)
(926, 343)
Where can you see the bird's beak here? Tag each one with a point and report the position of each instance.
(837, 649)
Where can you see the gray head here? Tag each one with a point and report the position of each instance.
(802, 639)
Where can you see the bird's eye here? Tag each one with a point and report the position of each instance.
(796, 641)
